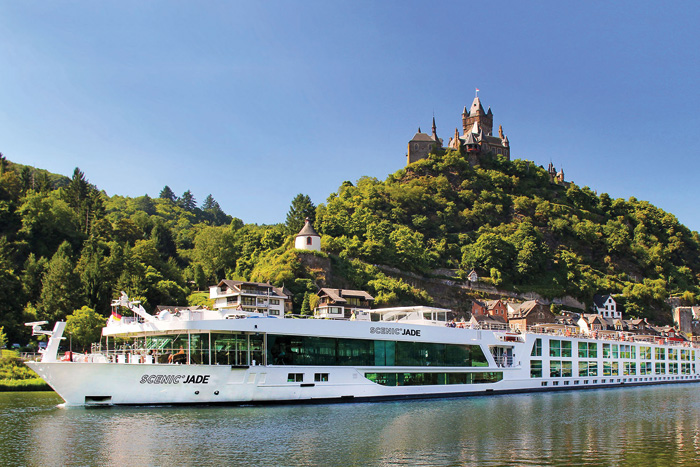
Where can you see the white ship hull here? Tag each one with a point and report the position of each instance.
(498, 362)
(125, 384)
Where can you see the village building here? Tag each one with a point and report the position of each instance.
(473, 277)
(597, 325)
(252, 297)
(606, 306)
(487, 322)
(307, 238)
(341, 303)
(493, 308)
(528, 314)
(687, 319)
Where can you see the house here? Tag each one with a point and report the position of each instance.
(479, 308)
(529, 314)
(473, 277)
(495, 308)
(487, 322)
(251, 297)
(340, 303)
(307, 238)
(596, 325)
(606, 306)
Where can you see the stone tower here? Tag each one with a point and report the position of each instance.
(476, 114)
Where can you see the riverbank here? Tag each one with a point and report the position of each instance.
(16, 376)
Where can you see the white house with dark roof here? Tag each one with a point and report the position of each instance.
(340, 303)
(307, 238)
(250, 297)
(606, 306)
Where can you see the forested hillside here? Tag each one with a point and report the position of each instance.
(511, 223)
(65, 244)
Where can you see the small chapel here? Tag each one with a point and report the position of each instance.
(475, 140)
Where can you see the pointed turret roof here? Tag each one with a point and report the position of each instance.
(307, 230)
(476, 107)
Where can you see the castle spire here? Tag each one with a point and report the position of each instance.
(465, 114)
(435, 136)
(500, 130)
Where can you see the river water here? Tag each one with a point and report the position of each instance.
(657, 425)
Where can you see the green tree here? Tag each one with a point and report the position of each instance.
(305, 305)
(10, 293)
(3, 338)
(168, 194)
(187, 201)
(85, 326)
(163, 238)
(300, 209)
(60, 291)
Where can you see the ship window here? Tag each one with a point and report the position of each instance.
(307, 350)
(430, 379)
(319, 377)
(295, 378)
(537, 348)
(660, 353)
(588, 368)
(535, 368)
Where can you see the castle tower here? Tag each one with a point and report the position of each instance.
(435, 136)
(307, 238)
(478, 115)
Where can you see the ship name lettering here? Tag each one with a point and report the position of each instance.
(174, 379)
(394, 331)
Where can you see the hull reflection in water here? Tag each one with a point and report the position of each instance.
(657, 425)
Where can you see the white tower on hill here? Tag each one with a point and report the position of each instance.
(307, 238)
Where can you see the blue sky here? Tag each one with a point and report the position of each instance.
(255, 102)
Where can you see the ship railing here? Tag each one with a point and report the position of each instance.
(504, 361)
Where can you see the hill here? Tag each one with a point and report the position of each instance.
(65, 244)
(511, 223)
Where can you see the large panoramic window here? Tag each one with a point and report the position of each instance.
(537, 348)
(610, 369)
(673, 354)
(660, 353)
(587, 350)
(535, 368)
(588, 368)
(560, 369)
(429, 379)
(628, 351)
(328, 351)
(645, 352)
(559, 348)
(660, 368)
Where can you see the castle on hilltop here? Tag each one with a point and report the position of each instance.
(476, 138)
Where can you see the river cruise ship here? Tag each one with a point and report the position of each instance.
(238, 357)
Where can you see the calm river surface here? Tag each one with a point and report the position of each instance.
(632, 426)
